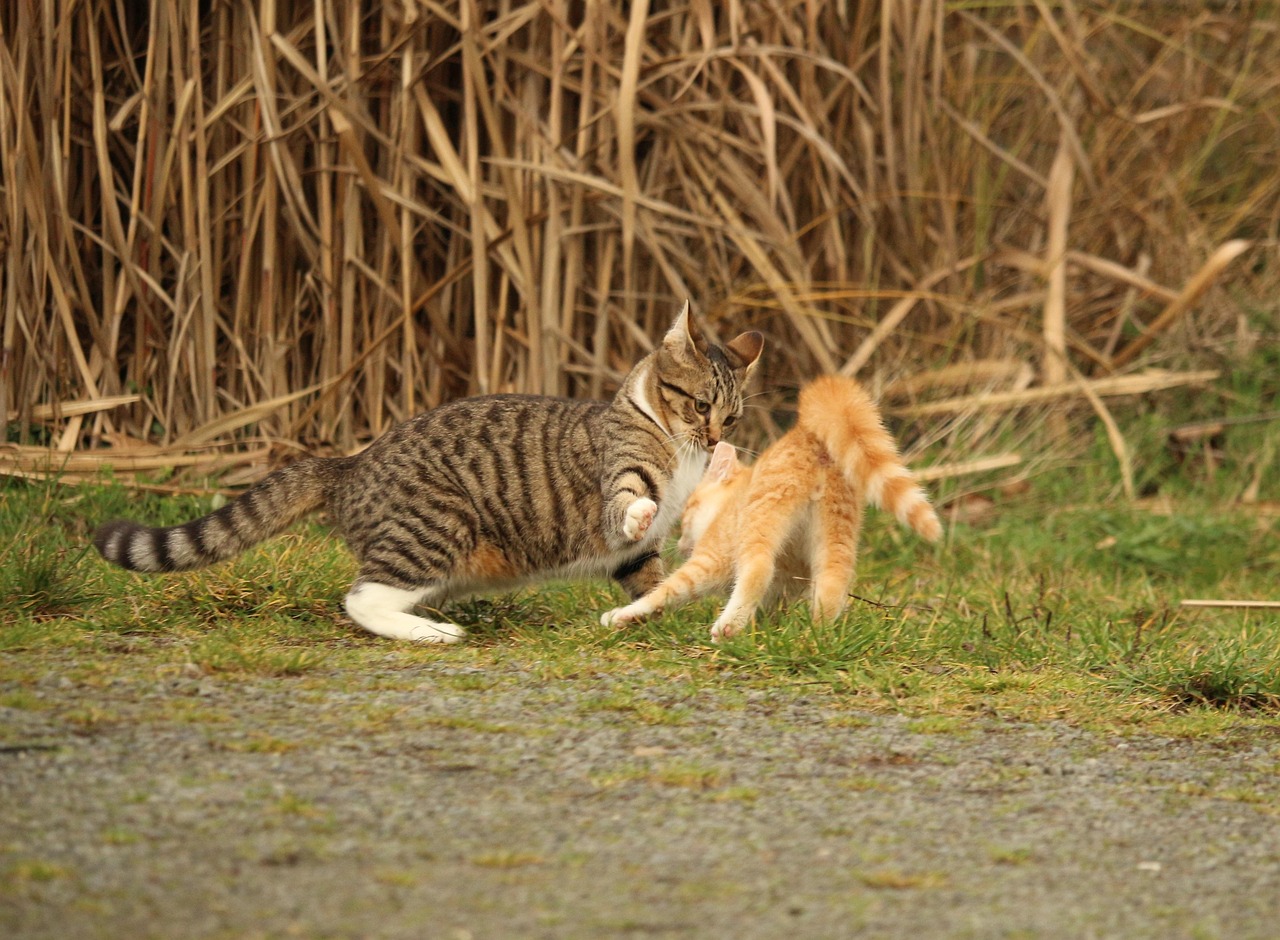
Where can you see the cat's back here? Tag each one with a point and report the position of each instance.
(796, 465)
(493, 425)
(522, 471)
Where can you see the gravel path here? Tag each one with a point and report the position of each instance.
(414, 802)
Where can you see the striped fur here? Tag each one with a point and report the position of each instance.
(265, 510)
(484, 493)
(796, 512)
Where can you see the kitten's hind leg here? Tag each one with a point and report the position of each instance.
(833, 551)
(773, 517)
(384, 610)
(755, 574)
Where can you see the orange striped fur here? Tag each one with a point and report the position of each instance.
(793, 516)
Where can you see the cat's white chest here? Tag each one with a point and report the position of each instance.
(693, 463)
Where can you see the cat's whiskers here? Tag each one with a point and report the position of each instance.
(686, 445)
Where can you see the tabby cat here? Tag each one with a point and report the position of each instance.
(798, 508)
(484, 493)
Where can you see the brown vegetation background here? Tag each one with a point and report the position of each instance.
(280, 220)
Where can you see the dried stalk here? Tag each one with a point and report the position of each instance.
(205, 211)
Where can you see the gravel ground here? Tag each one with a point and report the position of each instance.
(414, 803)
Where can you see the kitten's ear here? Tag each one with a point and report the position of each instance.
(746, 348)
(724, 461)
(684, 335)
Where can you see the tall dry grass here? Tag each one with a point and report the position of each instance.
(294, 220)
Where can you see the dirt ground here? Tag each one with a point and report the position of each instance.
(437, 801)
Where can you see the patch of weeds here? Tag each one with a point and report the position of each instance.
(988, 683)
(192, 711)
(290, 804)
(289, 853)
(38, 578)
(376, 718)
(87, 718)
(117, 835)
(890, 682)
(243, 653)
(688, 776)
(645, 710)
(863, 784)
(1231, 675)
(506, 858)
(255, 744)
(21, 633)
(462, 723)
(468, 682)
(736, 795)
(1010, 855)
(680, 775)
(531, 617)
(896, 880)
(940, 724)
(848, 722)
(617, 778)
(792, 645)
(28, 871)
(395, 877)
(21, 699)
(1244, 795)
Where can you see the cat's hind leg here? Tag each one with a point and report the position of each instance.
(384, 609)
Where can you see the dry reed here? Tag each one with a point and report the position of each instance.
(285, 220)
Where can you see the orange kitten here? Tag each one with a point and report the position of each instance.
(798, 508)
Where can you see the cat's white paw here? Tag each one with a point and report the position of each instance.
(431, 631)
(638, 519)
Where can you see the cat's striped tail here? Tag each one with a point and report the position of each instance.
(841, 415)
(262, 511)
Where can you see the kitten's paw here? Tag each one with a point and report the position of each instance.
(638, 519)
(724, 628)
(620, 616)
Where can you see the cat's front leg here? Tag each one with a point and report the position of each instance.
(631, 494)
(639, 516)
(641, 575)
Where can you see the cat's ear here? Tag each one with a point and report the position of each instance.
(723, 463)
(684, 335)
(746, 348)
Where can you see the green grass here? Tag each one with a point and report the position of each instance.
(1063, 604)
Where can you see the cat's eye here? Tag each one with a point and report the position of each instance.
(730, 421)
(702, 407)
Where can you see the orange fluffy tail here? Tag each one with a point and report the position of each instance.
(847, 422)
